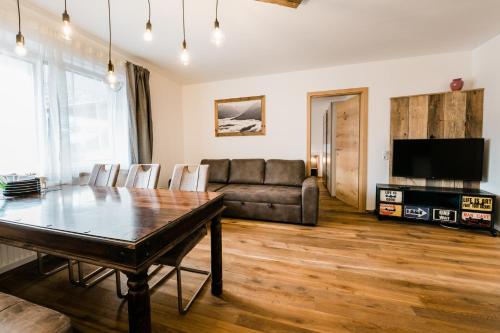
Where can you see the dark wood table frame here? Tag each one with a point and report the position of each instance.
(155, 221)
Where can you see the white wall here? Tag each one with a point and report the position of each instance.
(166, 104)
(287, 102)
(486, 71)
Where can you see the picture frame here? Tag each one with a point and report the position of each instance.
(242, 116)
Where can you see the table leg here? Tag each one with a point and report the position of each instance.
(139, 307)
(216, 251)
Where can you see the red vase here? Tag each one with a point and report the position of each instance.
(457, 85)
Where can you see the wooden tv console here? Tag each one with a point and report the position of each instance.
(452, 207)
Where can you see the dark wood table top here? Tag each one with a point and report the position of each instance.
(114, 213)
(119, 227)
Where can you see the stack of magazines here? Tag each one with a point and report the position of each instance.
(20, 186)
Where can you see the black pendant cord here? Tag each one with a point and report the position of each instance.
(149, 13)
(216, 10)
(109, 26)
(19, 16)
(65, 10)
(183, 26)
(216, 14)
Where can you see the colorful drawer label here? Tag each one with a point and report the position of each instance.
(391, 196)
(477, 203)
(390, 210)
(444, 215)
(473, 218)
(417, 213)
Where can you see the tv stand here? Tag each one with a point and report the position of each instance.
(450, 207)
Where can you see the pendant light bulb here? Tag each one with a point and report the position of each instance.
(111, 76)
(66, 28)
(185, 57)
(148, 34)
(218, 36)
(20, 47)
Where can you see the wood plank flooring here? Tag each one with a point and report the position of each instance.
(351, 273)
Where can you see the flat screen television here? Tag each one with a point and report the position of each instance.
(447, 159)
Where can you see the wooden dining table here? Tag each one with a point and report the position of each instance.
(119, 228)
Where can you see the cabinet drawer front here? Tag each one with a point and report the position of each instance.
(477, 219)
(391, 196)
(477, 203)
(390, 210)
(417, 213)
(444, 215)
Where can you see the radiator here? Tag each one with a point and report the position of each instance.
(12, 257)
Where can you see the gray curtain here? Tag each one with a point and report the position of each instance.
(141, 123)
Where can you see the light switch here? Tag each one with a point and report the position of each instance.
(387, 155)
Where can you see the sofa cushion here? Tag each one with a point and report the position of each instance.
(285, 172)
(214, 187)
(20, 316)
(248, 171)
(218, 171)
(288, 195)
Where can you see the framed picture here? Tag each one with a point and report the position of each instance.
(240, 116)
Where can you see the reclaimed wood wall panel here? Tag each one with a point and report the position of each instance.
(418, 118)
(474, 114)
(437, 116)
(455, 115)
(454, 123)
(474, 122)
(399, 129)
(435, 127)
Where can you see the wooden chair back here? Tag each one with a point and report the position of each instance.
(143, 176)
(104, 175)
(190, 178)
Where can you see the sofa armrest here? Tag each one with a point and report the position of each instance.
(310, 201)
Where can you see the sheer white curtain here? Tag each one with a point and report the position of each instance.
(79, 119)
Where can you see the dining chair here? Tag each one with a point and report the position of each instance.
(143, 176)
(104, 175)
(190, 178)
(193, 178)
(101, 175)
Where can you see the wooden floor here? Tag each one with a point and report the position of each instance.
(332, 204)
(349, 274)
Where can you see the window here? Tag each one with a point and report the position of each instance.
(97, 123)
(18, 117)
(74, 122)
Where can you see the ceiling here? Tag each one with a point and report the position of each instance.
(263, 38)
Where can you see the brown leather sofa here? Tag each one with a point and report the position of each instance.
(276, 190)
(20, 316)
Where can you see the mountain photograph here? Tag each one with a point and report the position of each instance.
(242, 116)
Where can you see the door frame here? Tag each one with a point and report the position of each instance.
(363, 135)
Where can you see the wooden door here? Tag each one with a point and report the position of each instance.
(347, 151)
